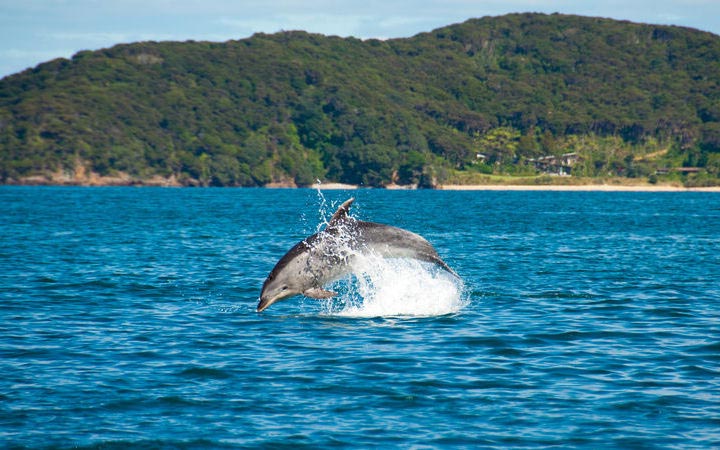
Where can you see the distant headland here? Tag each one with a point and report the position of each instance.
(532, 100)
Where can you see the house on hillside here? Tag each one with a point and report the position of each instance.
(681, 170)
(556, 165)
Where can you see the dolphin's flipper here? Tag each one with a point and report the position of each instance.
(342, 213)
(319, 293)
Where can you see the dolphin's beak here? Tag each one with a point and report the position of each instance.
(267, 300)
(264, 303)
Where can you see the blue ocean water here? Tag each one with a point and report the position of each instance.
(586, 320)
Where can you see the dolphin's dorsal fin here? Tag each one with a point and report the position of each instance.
(342, 213)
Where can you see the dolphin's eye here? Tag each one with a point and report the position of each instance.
(284, 288)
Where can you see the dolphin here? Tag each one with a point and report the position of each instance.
(329, 255)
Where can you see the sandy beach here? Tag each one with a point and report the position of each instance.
(333, 186)
(541, 187)
(579, 187)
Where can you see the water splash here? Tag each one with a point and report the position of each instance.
(322, 208)
(382, 287)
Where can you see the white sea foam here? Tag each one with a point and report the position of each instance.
(396, 288)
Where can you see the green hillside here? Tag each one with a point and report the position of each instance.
(498, 95)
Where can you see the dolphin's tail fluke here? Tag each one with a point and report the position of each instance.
(444, 265)
(437, 260)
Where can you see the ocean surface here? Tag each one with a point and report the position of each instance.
(584, 320)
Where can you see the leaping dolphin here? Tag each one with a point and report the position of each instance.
(328, 256)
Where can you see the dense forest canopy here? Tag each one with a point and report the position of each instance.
(490, 95)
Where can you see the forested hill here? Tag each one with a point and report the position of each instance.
(495, 94)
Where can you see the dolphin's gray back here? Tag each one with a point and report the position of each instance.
(326, 256)
(392, 242)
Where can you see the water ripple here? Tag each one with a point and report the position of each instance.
(127, 319)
